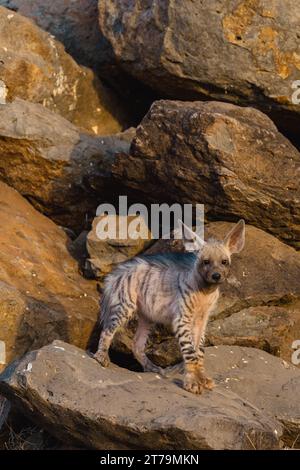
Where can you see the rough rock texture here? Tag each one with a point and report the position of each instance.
(229, 158)
(42, 295)
(118, 409)
(75, 24)
(78, 247)
(242, 51)
(105, 254)
(261, 299)
(269, 328)
(269, 383)
(63, 171)
(35, 67)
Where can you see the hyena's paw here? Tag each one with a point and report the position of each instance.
(197, 382)
(209, 383)
(192, 384)
(150, 367)
(102, 358)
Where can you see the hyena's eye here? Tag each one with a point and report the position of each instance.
(225, 261)
(206, 261)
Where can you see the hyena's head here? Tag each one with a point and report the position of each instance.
(213, 256)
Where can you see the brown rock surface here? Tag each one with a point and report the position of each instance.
(272, 329)
(231, 159)
(35, 67)
(77, 400)
(271, 384)
(64, 172)
(42, 295)
(75, 24)
(105, 254)
(241, 51)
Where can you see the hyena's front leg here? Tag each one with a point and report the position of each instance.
(199, 327)
(195, 380)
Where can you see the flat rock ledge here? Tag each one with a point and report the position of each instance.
(64, 390)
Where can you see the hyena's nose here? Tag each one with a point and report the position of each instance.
(216, 276)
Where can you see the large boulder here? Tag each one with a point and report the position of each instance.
(42, 295)
(106, 253)
(35, 67)
(271, 328)
(62, 171)
(77, 400)
(241, 51)
(75, 24)
(231, 159)
(269, 383)
(259, 305)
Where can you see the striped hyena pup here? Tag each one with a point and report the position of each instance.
(177, 289)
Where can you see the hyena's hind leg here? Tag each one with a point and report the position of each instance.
(139, 344)
(118, 317)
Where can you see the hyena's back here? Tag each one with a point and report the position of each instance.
(146, 284)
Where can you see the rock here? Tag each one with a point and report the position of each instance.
(65, 173)
(231, 159)
(35, 67)
(78, 247)
(105, 254)
(162, 347)
(269, 383)
(269, 328)
(245, 52)
(75, 24)
(42, 295)
(263, 286)
(119, 409)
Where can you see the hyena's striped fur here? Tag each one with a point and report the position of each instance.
(179, 289)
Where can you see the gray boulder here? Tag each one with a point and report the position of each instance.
(78, 401)
(269, 383)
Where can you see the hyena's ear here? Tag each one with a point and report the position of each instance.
(235, 239)
(191, 241)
